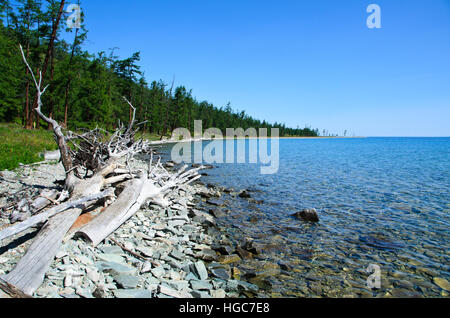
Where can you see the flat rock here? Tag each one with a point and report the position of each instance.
(207, 254)
(442, 282)
(165, 290)
(217, 213)
(229, 259)
(126, 281)
(146, 251)
(132, 293)
(224, 249)
(111, 258)
(248, 286)
(158, 271)
(93, 275)
(176, 223)
(111, 250)
(178, 284)
(116, 268)
(221, 273)
(200, 294)
(201, 285)
(214, 202)
(219, 293)
(244, 254)
(177, 255)
(200, 270)
(146, 267)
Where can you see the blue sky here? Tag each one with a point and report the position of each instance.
(299, 62)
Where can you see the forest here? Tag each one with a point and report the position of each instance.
(86, 89)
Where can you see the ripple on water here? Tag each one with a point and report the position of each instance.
(381, 201)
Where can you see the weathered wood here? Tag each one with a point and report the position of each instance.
(29, 273)
(44, 200)
(57, 130)
(9, 291)
(131, 200)
(44, 216)
(115, 215)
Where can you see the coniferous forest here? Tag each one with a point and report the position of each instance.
(86, 89)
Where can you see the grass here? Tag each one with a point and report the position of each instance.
(148, 136)
(18, 145)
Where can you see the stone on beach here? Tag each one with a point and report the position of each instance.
(169, 250)
(127, 281)
(132, 293)
(200, 270)
(116, 268)
(229, 259)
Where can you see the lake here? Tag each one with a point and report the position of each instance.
(382, 203)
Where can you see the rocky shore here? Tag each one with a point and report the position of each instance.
(174, 252)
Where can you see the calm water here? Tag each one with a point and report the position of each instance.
(382, 201)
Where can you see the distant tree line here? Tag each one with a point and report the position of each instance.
(86, 89)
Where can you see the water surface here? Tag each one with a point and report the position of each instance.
(381, 201)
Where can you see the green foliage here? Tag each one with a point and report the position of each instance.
(92, 86)
(10, 78)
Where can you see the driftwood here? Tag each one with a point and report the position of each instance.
(45, 199)
(30, 202)
(43, 217)
(132, 198)
(29, 273)
(9, 291)
(91, 165)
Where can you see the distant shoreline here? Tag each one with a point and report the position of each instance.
(172, 141)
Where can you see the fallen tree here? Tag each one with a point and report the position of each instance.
(96, 164)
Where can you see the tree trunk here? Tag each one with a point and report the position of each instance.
(49, 50)
(51, 101)
(27, 93)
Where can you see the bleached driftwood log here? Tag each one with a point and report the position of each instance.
(29, 273)
(43, 217)
(139, 191)
(103, 163)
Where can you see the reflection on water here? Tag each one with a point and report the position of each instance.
(381, 201)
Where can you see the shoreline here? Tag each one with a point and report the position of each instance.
(172, 141)
(158, 253)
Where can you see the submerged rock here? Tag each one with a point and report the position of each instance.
(245, 195)
(380, 241)
(244, 254)
(309, 215)
(442, 282)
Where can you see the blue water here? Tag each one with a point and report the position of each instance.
(381, 201)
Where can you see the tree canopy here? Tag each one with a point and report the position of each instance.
(87, 89)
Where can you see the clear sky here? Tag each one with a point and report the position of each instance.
(299, 62)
